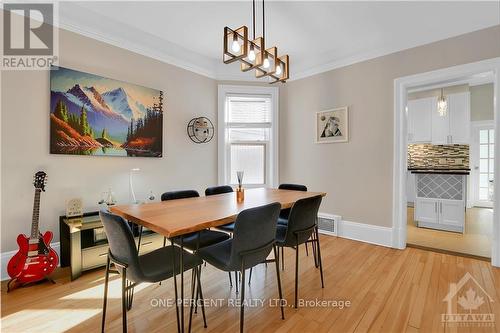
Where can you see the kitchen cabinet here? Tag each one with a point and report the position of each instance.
(425, 125)
(420, 119)
(440, 201)
(459, 114)
(440, 214)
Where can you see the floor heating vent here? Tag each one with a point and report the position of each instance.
(327, 224)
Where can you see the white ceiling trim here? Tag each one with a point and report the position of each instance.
(68, 21)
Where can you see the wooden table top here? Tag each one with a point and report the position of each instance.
(178, 217)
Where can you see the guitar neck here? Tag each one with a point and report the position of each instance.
(36, 216)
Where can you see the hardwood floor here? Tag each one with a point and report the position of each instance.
(388, 290)
(476, 240)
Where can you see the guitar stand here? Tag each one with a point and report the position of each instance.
(14, 284)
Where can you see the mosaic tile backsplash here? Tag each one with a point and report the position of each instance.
(427, 156)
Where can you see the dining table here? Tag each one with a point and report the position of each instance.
(176, 218)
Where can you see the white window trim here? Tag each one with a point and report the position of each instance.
(272, 149)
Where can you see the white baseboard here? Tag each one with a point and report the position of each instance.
(5, 257)
(358, 231)
(365, 233)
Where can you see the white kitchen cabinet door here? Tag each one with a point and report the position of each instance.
(440, 127)
(459, 113)
(420, 120)
(452, 212)
(426, 210)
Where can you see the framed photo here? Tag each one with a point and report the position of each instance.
(332, 125)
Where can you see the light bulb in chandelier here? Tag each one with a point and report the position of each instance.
(266, 63)
(278, 70)
(251, 54)
(235, 46)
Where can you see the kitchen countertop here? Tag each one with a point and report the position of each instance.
(444, 171)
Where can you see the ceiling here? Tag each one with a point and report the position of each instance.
(318, 36)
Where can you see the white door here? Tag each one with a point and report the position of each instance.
(420, 120)
(440, 127)
(452, 212)
(426, 210)
(459, 113)
(483, 164)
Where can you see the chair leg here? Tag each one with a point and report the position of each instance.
(315, 254)
(319, 258)
(194, 272)
(242, 309)
(202, 299)
(130, 296)
(296, 274)
(106, 281)
(250, 276)
(230, 279)
(307, 250)
(124, 300)
(280, 293)
(236, 279)
(282, 258)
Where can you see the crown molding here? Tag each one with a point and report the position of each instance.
(150, 46)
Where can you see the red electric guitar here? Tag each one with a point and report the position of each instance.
(35, 259)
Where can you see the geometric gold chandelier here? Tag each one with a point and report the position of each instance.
(253, 55)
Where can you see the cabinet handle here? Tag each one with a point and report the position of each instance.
(441, 207)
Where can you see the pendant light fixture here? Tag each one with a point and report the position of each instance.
(442, 105)
(252, 53)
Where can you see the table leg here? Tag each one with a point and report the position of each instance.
(182, 283)
(175, 286)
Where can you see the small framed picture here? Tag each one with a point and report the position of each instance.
(332, 125)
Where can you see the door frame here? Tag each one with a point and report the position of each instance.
(474, 154)
(400, 148)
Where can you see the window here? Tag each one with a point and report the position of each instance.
(486, 161)
(248, 135)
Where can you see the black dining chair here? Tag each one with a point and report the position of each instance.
(253, 239)
(302, 223)
(221, 190)
(214, 190)
(195, 240)
(283, 219)
(153, 267)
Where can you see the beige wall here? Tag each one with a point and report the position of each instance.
(358, 175)
(481, 102)
(25, 138)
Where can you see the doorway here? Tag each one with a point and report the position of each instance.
(442, 77)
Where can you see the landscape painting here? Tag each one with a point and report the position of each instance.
(94, 115)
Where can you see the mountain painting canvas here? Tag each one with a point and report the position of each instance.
(94, 115)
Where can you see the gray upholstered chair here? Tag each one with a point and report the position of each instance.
(302, 224)
(253, 239)
(153, 267)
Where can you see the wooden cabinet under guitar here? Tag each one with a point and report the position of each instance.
(35, 259)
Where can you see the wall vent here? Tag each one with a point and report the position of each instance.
(328, 224)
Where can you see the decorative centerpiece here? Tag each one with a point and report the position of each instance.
(240, 192)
